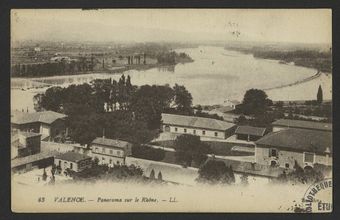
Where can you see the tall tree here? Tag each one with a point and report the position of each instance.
(319, 96)
(52, 99)
(182, 99)
(255, 102)
(189, 149)
(148, 103)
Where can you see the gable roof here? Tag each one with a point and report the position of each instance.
(303, 124)
(299, 140)
(196, 122)
(111, 142)
(256, 131)
(47, 117)
(72, 156)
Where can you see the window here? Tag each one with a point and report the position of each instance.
(60, 163)
(216, 134)
(194, 132)
(110, 161)
(308, 157)
(103, 158)
(185, 130)
(273, 152)
(103, 150)
(111, 151)
(273, 163)
(118, 153)
(71, 166)
(176, 129)
(203, 132)
(96, 149)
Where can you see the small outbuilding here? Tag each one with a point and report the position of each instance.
(249, 133)
(73, 161)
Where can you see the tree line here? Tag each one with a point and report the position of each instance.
(52, 68)
(121, 109)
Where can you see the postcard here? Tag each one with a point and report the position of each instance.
(171, 110)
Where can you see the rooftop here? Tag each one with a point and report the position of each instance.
(32, 158)
(72, 156)
(256, 131)
(47, 117)
(299, 140)
(303, 124)
(17, 142)
(110, 142)
(196, 122)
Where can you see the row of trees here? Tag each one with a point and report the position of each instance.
(52, 68)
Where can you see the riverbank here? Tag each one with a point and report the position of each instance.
(27, 83)
(303, 89)
(305, 57)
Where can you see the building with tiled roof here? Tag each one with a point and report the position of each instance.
(48, 123)
(110, 151)
(73, 161)
(284, 147)
(311, 125)
(24, 144)
(249, 133)
(204, 127)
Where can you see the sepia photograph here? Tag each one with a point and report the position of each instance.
(171, 110)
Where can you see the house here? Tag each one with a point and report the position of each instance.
(310, 125)
(306, 147)
(73, 161)
(203, 127)
(109, 151)
(24, 144)
(47, 123)
(249, 133)
(231, 103)
(27, 163)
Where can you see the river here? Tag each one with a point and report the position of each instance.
(215, 75)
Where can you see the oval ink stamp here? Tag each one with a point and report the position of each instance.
(318, 197)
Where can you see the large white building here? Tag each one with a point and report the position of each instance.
(109, 151)
(203, 127)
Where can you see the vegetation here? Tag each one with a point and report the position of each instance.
(216, 172)
(103, 172)
(308, 58)
(308, 175)
(190, 149)
(317, 58)
(319, 96)
(131, 113)
(53, 68)
(172, 58)
(88, 57)
(264, 112)
(255, 102)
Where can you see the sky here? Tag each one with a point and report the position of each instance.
(187, 25)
